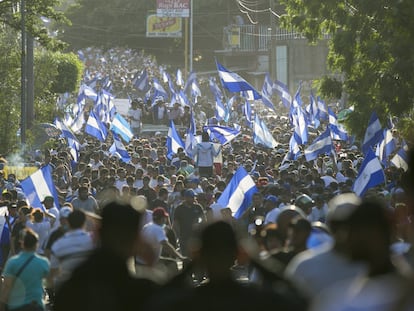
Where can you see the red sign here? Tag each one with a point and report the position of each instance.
(173, 8)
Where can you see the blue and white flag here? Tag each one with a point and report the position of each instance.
(174, 141)
(313, 111)
(386, 147)
(118, 149)
(338, 132)
(297, 99)
(141, 82)
(373, 133)
(283, 92)
(159, 89)
(180, 79)
(323, 111)
(105, 107)
(247, 111)
(294, 150)
(262, 135)
(121, 127)
(220, 111)
(300, 125)
(234, 83)
(267, 92)
(321, 145)
(192, 77)
(190, 139)
(95, 127)
(400, 159)
(370, 174)
(38, 186)
(222, 134)
(239, 192)
(71, 139)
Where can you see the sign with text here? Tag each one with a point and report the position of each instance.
(173, 8)
(163, 27)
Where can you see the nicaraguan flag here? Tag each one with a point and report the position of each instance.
(294, 150)
(338, 132)
(71, 139)
(39, 185)
(121, 127)
(370, 174)
(386, 147)
(118, 149)
(283, 92)
(297, 99)
(192, 77)
(180, 79)
(174, 140)
(313, 111)
(190, 139)
(141, 82)
(220, 111)
(300, 124)
(321, 145)
(95, 127)
(238, 193)
(400, 159)
(159, 89)
(373, 133)
(267, 92)
(222, 134)
(234, 83)
(88, 92)
(262, 135)
(323, 111)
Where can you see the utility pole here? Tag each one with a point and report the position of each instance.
(23, 74)
(191, 35)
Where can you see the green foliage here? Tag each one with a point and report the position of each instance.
(9, 89)
(329, 88)
(371, 44)
(69, 73)
(56, 73)
(10, 15)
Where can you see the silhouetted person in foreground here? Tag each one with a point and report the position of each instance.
(217, 253)
(104, 282)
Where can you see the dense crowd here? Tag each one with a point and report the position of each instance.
(305, 240)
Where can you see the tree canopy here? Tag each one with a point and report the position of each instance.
(371, 45)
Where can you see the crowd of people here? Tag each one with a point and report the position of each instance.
(299, 228)
(150, 233)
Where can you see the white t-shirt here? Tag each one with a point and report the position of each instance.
(154, 234)
(135, 117)
(71, 250)
(314, 270)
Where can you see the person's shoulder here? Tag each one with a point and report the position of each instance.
(306, 258)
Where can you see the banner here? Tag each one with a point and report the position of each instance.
(163, 27)
(173, 8)
(21, 172)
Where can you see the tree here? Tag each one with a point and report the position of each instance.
(371, 45)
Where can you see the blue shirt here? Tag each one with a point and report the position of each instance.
(28, 286)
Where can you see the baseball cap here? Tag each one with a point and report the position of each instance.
(189, 193)
(341, 207)
(159, 212)
(271, 198)
(64, 212)
(304, 200)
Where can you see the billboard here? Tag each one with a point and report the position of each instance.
(163, 27)
(173, 8)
